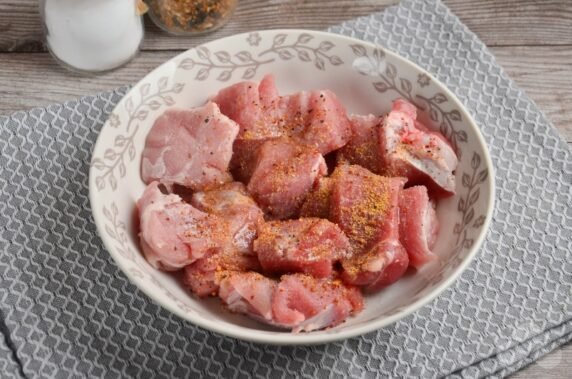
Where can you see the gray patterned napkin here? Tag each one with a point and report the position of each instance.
(67, 311)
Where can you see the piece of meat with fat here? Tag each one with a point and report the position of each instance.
(366, 208)
(315, 118)
(377, 267)
(305, 303)
(248, 293)
(306, 245)
(253, 106)
(232, 202)
(413, 151)
(298, 302)
(418, 225)
(203, 277)
(317, 203)
(190, 147)
(363, 149)
(174, 234)
(284, 174)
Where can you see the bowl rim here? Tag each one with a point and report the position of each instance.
(263, 337)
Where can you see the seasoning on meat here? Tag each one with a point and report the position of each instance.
(231, 203)
(307, 245)
(366, 207)
(317, 203)
(363, 149)
(285, 172)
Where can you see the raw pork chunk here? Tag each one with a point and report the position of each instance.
(363, 149)
(174, 234)
(203, 277)
(255, 107)
(307, 245)
(249, 293)
(418, 225)
(232, 202)
(190, 147)
(366, 207)
(315, 118)
(298, 302)
(284, 174)
(413, 151)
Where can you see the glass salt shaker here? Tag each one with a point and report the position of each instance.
(93, 35)
(191, 17)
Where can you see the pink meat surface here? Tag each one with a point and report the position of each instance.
(307, 245)
(305, 303)
(284, 174)
(190, 147)
(253, 106)
(232, 202)
(317, 203)
(174, 234)
(298, 302)
(418, 225)
(249, 293)
(203, 277)
(363, 149)
(413, 151)
(315, 118)
(366, 207)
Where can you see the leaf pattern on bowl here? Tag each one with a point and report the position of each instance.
(226, 64)
(223, 62)
(111, 165)
(471, 182)
(303, 50)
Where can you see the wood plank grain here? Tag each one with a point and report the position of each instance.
(498, 23)
(517, 22)
(20, 26)
(545, 73)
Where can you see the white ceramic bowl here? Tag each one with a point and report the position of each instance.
(366, 78)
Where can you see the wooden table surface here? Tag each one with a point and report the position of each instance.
(531, 39)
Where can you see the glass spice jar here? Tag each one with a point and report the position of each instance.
(92, 36)
(190, 17)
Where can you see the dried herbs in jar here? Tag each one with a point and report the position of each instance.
(183, 17)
